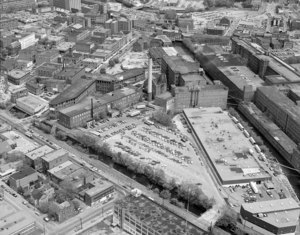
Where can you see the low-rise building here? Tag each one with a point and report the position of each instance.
(54, 159)
(8, 23)
(62, 211)
(33, 158)
(18, 93)
(23, 179)
(279, 216)
(99, 192)
(18, 77)
(48, 69)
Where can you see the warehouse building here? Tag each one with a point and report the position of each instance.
(218, 135)
(279, 216)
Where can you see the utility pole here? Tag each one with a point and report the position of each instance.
(187, 210)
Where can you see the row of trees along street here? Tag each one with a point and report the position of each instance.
(167, 188)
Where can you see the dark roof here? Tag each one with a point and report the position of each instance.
(23, 173)
(177, 64)
(72, 92)
(131, 73)
(157, 52)
(156, 217)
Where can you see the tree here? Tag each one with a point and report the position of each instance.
(44, 207)
(111, 63)
(103, 71)
(156, 190)
(162, 118)
(61, 135)
(165, 194)
(117, 60)
(228, 220)
(76, 204)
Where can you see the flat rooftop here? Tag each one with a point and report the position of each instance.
(39, 152)
(179, 65)
(170, 51)
(99, 187)
(11, 220)
(219, 136)
(242, 76)
(17, 74)
(64, 170)
(224, 60)
(31, 101)
(279, 213)
(54, 155)
(23, 173)
(156, 217)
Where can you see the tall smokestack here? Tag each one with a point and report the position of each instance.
(92, 109)
(149, 79)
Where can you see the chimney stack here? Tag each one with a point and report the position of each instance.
(149, 79)
(92, 109)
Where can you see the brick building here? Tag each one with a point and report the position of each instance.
(24, 179)
(54, 158)
(284, 111)
(18, 77)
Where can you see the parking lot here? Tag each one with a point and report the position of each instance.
(157, 146)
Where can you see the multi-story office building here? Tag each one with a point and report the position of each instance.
(27, 40)
(68, 4)
(124, 25)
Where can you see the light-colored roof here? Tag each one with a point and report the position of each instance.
(279, 213)
(39, 152)
(55, 154)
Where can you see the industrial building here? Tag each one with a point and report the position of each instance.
(140, 215)
(200, 96)
(284, 111)
(90, 107)
(279, 216)
(276, 137)
(231, 154)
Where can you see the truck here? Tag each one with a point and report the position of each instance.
(134, 113)
(28, 134)
(253, 187)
